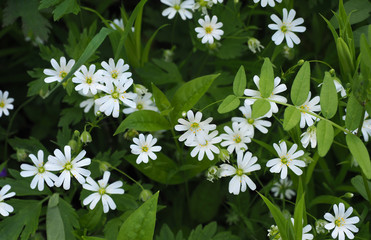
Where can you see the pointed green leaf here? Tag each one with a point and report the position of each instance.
(230, 103)
(239, 83)
(354, 113)
(301, 85)
(260, 108)
(144, 120)
(54, 222)
(161, 100)
(148, 45)
(358, 183)
(266, 82)
(189, 94)
(299, 212)
(291, 118)
(329, 98)
(325, 137)
(345, 58)
(359, 151)
(141, 223)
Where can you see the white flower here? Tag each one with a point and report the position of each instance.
(194, 128)
(88, 104)
(283, 189)
(340, 88)
(216, 1)
(5, 103)
(287, 159)
(206, 147)
(40, 171)
(178, 6)
(250, 123)
(235, 139)
(114, 71)
(245, 165)
(118, 22)
(254, 45)
(116, 92)
(309, 136)
(68, 166)
(286, 28)
(274, 233)
(310, 106)
(366, 129)
(264, 3)
(144, 147)
(101, 191)
(5, 208)
(203, 5)
(88, 81)
(306, 229)
(341, 223)
(60, 71)
(142, 103)
(278, 88)
(209, 29)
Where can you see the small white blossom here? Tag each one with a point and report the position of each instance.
(341, 224)
(278, 88)
(142, 103)
(212, 173)
(40, 172)
(118, 22)
(340, 88)
(203, 5)
(305, 233)
(310, 106)
(207, 146)
(216, 1)
(60, 70)
(287, 159)
(264, 3)
(283, 189)
(235, 139)
(254, 45)
(117, 71)
(5, 103)
(246, 164)
(194, 127)
(310, 136)
(286, 28)
(274, 233)
(251, 123)
(144, 147)
(102, 191)
(69, 167)
(5, 208)
(88, 81)
(209, 29)
(88, 104)
(178, 6)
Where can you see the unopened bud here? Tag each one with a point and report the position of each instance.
(145, 195)
(73, 144)
(301, 62)
(76, 134)
(98, 113)
(184, 114)
(130, 134)
(140, 89)
(21, 154)
(85, 137)
(320, 226)
(104, 166)
(224, 155)
(212, 173)
(348, 195)
(43, 92)
(332, 72)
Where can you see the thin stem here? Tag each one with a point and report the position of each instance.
(212, 104)
(132, 179)
(325, 63)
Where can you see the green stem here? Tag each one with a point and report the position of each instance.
(132, 179)
(325, 63)
(212, 104)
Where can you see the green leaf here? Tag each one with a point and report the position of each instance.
(357, 9)
(144, 120)
(325, 137)
(345, 58)
(24, 222)
(278, 217)
(141, 223)
(148, 45)
(92, 238)
(354, 113)
(260, 108)
(291, 118)
(299, 213)
(266, 82)
(70, 116)
(329, 99)
(160, 99)
(358, 183)
(66, 7)
(54, 222)
(301, 85)
(365, 57)
(327, 199)
(32, 21)
(69, 218)
(360, 153)
(189, 94)
(48, 3)
(230, 103)
(239, 83)
(159, 72)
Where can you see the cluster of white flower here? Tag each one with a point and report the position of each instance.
(5, 103)
(69, 166)
(106, 89)
(144, 147)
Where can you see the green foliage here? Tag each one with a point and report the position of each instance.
(239, 83)
(325, 137)
(159, 72)
(291, 118)
(209, 233)
(329, 100)
(141, 223)
(62, 8)
(266, 82)
(359, 184)
(54, 222)
(260, 108)
(161, 100)
(354, 113)
(299, 212)
(360, 153)
(300, 87)
(230, 103)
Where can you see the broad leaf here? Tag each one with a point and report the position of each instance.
(230, 103)
(360, 153)
(358, 183)
(54, 222)
(260, 108)
(301, 85)
(160, 99)
(329, 99)
(266, 82)
(291, 118)
(239, 83)
(325, 137)
(354, 113)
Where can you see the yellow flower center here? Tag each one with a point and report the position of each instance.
(41, 169)
(145, 148)
(195, 125)
(203, 3)
(285, 160)
(204, 145)
(102, 191)
(68, 166)
(304, 107)
(115, 95)
(114, 74)
(239, 172)
(250, 120)
(89, 80)
(139, 106)
(284, 28)
(2, 104)
(177, 7)
(62, 74)
(339, 222)
(237, 138)
(208, 29)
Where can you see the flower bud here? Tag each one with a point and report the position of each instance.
(21, 154)
(43, 92)
(274, 233)
(301, 62)
(140, 89)
(73, 144)
(98, 113)
(254, 45)
(168, 55)
(104, 166)
(320, 226)
(332, 72)
(76, 134)
(145, 195)
(130, 134)
(85, 137)
(212, 173)
(348, 195)
(224, 155)
(184, 114)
